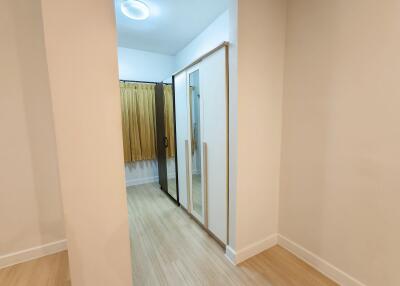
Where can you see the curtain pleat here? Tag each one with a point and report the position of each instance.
(125, 123)
(169, 120)
(134, 133)
(139, 121)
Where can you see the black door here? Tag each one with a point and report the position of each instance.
(162, 142)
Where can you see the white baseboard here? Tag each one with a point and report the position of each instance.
(32, 253)
(146, 180)
(318, 263)
(230, 254)
(141, 181)
(236, 257)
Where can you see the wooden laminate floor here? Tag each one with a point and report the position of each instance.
(169, 248)
(51, 270)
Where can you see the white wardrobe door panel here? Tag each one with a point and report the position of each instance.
(195, 133)
(181, 134)
(214, 93)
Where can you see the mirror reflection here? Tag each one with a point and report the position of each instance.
(170, 139)
(194, 98)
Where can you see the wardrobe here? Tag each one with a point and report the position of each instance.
(201, 106)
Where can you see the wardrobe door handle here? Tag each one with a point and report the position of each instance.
(205, 179)
(189, 209)
(166, 142)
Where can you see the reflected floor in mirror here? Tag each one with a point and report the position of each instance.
(197, 194)
(172, 187)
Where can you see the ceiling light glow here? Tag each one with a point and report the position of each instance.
(135, 9)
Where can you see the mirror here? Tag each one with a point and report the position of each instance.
(170, 138)
(194, 100)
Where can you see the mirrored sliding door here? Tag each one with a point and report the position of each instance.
(170, 140)
(165, 137)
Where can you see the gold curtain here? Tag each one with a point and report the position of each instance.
(169, 120)
(139, 121)
(193, 137)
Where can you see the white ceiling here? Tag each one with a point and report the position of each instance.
(171, 26)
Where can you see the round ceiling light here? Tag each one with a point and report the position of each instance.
(135, 10)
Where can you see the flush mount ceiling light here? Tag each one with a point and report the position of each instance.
(135, 10)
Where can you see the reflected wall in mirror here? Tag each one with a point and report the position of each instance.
(194, 100)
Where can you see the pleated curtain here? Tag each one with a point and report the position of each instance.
(139, 121)
(169, 120)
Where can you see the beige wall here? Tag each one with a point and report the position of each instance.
(260, 43)
(80, 39)
(30, 206)
(341, 156)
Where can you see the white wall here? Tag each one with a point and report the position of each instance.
(260, 68)
(31, 213)
(340, 157)
(82, 63)
(144, 66)
(216, 33)
(144, 172)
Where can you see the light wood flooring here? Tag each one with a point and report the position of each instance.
(169, 248)
(51, 270)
